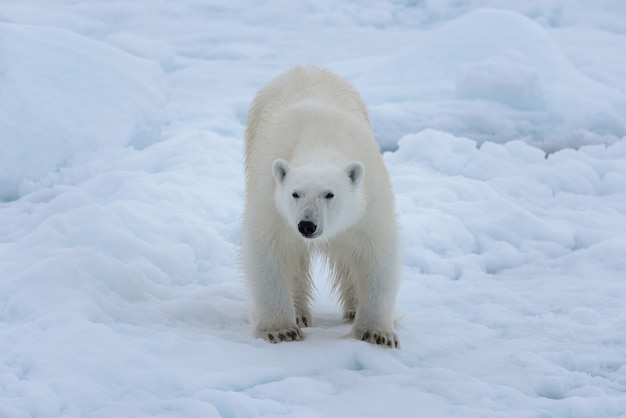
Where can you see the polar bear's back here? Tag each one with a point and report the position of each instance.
(300, 113)
(299, 84)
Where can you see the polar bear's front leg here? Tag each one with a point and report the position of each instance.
(375, 327)
(271, 290)
(303, 291)
(377, 286)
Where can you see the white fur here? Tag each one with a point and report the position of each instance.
(316, 182)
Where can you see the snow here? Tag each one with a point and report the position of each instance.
(494, 75)
(64, 94)
(121, 192)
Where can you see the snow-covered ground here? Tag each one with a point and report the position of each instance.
(121, 191)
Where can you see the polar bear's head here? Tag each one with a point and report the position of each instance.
(319, 202)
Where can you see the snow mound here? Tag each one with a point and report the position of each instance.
(501, 206)
(508, 79)
(63, 94)
(491, 75)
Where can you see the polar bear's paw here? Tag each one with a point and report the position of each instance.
(348, 316)
(304, 321)
(384, 338)
(280, 335)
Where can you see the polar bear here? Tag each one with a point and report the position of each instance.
(316, 184)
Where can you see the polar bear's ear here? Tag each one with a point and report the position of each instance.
(280, 168)
(355, 171)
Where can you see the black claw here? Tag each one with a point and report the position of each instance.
(366, 336)
(270, 337)
(282, 337)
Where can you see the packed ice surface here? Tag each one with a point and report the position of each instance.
(121, 188)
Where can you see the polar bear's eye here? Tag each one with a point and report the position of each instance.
(329, 195)
(295, 195)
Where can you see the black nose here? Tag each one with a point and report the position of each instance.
(307, 228)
